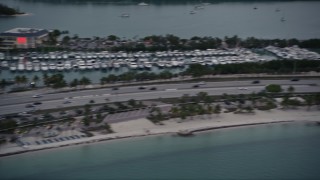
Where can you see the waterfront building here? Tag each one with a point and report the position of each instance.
(23, 38)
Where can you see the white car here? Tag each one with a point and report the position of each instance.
(37, 96)
(242, 88)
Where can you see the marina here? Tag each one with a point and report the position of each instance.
(67, 61)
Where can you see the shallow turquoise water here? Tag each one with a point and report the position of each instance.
(278, 151)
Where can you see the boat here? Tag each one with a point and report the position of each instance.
(13, 67)
(4, 64)
(29, 66)
(96, 64)
(44, 66)
(60, 66)
(133, 65)
(36, 65)
(116, 65)
(21, 66)
(52, 66)
(125, 15)
(192, 12)
(283, 19)
(67, 65)
(89, 64)
(82, 65)
(143, 4)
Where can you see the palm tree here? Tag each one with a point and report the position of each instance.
(290, 89)
(217, 110)
(24, 79)
(309, 101)
(174, 111)
(17, 80)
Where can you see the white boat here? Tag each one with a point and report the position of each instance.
(192, 12)
(29, 66)
(143, 4)
(21, 66)
(13, 67)
(67, 65)
(133, 65)
(148, 65)
(4, 64)
(96, 64)
(82, 65)
(125, 15)
(44, 66)
(89, 64)
(116, 65)
(52, 66)
(36, 65)
(104, 65)
(60, 66)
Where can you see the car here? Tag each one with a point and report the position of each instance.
(66, 102)
(256, 82)
(29, 106)
(195, 86)
(37, 96)
(142, 87)
(202, 83)
(295, 79)
(37, 103)
(153, 88)
(115, 88)
(242, 88)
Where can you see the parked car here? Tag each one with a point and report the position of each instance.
(256, 82)
(295, 79)
(153, 88)
(29, 105)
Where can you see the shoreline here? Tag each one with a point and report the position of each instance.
(96, 139)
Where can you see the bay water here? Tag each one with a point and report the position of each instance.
(274, 151)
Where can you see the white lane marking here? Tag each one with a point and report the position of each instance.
(171, 89)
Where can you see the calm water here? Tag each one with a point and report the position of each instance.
(218, 20)
(279, 151)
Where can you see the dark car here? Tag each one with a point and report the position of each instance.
(256, 82)
(37, 103)
(115, 88)
(195, 86)
(153, 88)
(295, 79)
(29, 106)
(142, 87)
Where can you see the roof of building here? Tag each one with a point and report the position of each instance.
(25, 32)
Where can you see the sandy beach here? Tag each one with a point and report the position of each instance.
(143, 127)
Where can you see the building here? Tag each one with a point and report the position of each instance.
(22, 38)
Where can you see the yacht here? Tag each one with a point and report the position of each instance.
(36, 65)
(82, 65)
(116, 65)
(96, 64)
(52, 66)
(133, 65)
(44, 66)
(21, 66)
(67, 65)
(60, 66)
(104, 65)
(4, 64)
(89, 64)
(13, 67)
(143, 4)
(125, 15)
(29, 66)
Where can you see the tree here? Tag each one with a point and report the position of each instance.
(217, 109)
(132, 103)
(74, 83)
(309, 100)
(84, 81)
(290, 89)
(17, 80)
(273, 88)
(24, 79)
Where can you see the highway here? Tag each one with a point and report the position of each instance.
(16, 102)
